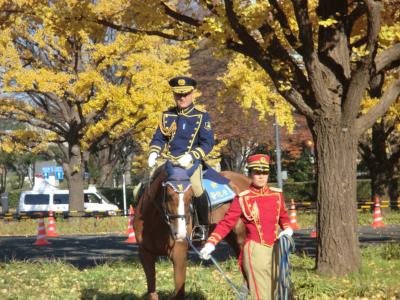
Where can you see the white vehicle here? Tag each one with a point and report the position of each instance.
(47, 199)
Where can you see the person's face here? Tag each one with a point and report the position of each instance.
(183, 100)
(259, 178)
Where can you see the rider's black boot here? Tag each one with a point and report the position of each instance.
(201, 205)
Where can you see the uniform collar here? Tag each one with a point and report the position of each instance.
(185, 111)
(259, 191)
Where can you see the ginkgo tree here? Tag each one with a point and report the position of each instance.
(245, 83)
(78, 83)
(317, 62)
(380, 148)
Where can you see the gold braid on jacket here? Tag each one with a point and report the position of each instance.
(169, 132)
(254, 213)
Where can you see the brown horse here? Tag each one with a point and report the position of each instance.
(163, 221)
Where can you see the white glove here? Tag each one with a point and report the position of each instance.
(152, 159)
(288, 231)
(206, 251)
(185, 160)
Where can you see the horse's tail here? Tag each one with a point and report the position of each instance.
(138, 192)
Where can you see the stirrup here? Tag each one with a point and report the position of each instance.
(199, 233)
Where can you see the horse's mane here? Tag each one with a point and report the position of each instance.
(157, 173)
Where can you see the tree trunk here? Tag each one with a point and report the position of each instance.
(106, 175)
(338, 251)
(384, 180)
(3, 178)
(382, 167)
(74, 173)
(394, 192)
(21, 180)
(380, 185)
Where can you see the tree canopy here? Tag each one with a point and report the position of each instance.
(322, 57)
(78, 83)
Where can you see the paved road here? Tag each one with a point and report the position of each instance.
(86, 251)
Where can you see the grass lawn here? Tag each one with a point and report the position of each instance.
(377, 279)
(117, 224)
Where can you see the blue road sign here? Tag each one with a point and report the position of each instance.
(59, 175)
(46, 175)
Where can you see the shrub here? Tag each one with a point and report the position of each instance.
(307, 190)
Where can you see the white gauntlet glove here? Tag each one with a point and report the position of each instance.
(152, 159)
(288, 231)
(206, 251)
(185, 160)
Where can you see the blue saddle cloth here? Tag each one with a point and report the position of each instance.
(217, 187)
(215, 184)
(218, 193)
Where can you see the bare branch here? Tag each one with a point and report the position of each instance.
(234, 46)
(297, 100)
(361, 77)
(24, 115)
(390, 96)
(305, 27)
(374, 24)
(253, 48)
(90, 118)
(388, 59)
(177, 16)
(147, 32)
(281, 17)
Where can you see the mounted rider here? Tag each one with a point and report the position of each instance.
(184, 132)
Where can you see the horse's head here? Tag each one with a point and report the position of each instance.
(177, 197)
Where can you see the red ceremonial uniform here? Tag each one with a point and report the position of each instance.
(262, 210)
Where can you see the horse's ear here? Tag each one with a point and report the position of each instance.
(169, 168)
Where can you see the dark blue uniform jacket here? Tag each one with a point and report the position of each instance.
(183, 131)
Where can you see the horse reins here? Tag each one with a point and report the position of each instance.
(240, 293)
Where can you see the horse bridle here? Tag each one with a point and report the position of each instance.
(168, 216)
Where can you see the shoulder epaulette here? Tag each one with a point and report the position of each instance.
(200, 109)
(275, 189)
(244, 193)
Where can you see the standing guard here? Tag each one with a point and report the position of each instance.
(184, 132)
(262, 210)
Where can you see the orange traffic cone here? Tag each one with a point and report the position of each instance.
(377, 214)
(313, 233)
(130, 221)
(131, 232)
(293, 216)
(41, 239)
(51, 228)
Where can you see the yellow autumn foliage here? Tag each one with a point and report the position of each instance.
(63, 71)
(250, 86)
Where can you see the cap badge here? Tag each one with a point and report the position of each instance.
(263, 160)
(181, 82)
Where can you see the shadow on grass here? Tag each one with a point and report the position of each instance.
(88, 251)
(92, 294)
